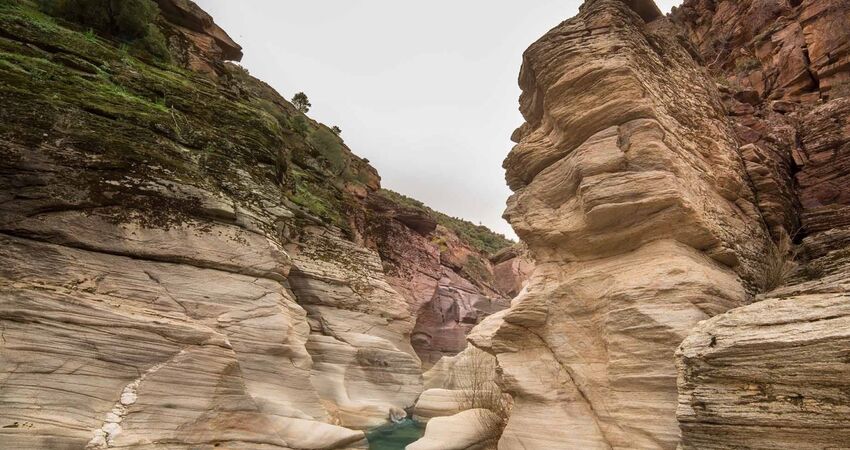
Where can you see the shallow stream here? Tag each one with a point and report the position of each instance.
(395, 436)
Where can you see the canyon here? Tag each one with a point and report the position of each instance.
(190, 261)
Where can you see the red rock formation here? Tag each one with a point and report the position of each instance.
(782, 49)
(797, 51)
(511, 269)
(195, 40)
(449, 286)
(765, 375)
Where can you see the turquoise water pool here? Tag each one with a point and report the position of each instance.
(395, 436)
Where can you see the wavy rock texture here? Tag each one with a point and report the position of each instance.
(632, 195)
(114, 336)
(462, 431)
(189, 262)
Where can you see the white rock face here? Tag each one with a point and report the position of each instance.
(217, 351)
(120, 333)
(363, 363)
(462, 431)
(437, 403)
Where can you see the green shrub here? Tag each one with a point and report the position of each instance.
(132, 18)
(747, 64)
(154, 43)
(298, 124)
(328, 145)
(478, 237)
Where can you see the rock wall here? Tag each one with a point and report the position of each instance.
(794, 50)
(632, 194)
(771, 375)
(187, 261)
(195, 40)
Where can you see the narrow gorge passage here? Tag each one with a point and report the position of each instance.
(188, 260)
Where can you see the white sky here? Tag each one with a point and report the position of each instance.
(426, 90)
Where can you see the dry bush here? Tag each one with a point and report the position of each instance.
(474, 380)
(778, 263)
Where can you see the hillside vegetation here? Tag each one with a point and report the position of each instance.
(478, 237)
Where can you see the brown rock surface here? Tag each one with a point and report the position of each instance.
(796, 50)
(194, 38)
(766, 375)
(769, 375)
(187, 14)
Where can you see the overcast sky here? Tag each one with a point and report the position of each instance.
(426, 90)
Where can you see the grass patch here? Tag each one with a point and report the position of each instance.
(747, 64)
(778, 264)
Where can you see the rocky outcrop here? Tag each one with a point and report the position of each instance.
(466, 430)
(775, 61)
(142, 341)
(511, 269)
(658, 178)
(774, 374)
(195, 40)
(360, 340)
(633, 197)
(796, 50)
(770, 375)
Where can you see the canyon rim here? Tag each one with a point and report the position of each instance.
(189, 261)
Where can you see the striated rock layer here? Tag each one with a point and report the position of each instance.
(187, 261)
(662, 178)
(774, 374)
(631, 192)
(770, 375)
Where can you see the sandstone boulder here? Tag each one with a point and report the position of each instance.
(467, 430)
(769, 375)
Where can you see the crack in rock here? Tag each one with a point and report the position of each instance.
(104, 436)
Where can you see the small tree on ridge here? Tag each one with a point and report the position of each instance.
(301, 102)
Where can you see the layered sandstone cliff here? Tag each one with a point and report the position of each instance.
(187, 261)
(661, 180)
